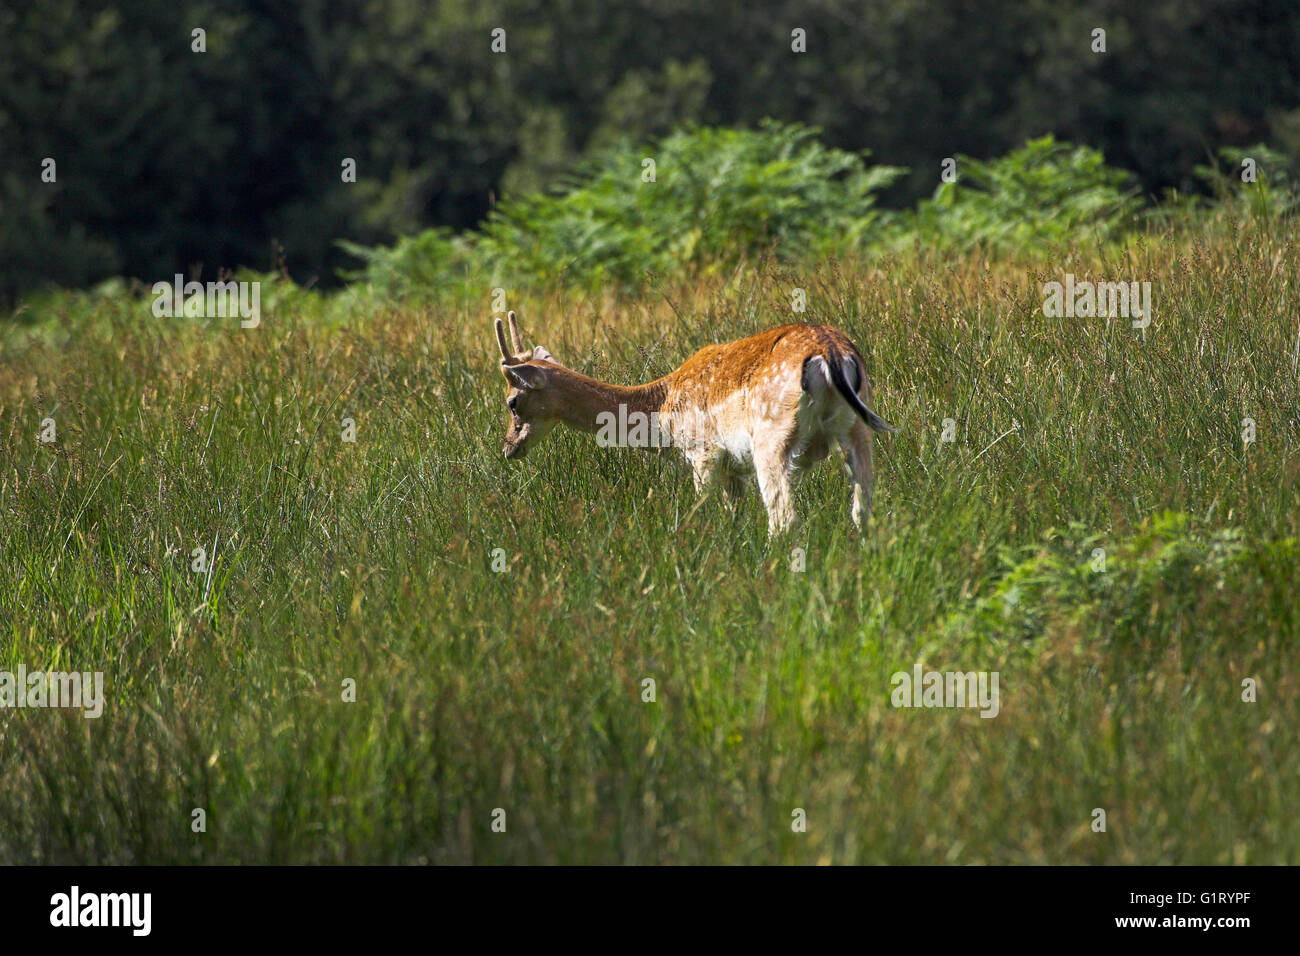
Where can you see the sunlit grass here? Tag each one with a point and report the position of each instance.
(522, 690)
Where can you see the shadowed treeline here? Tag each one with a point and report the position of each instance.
(170, 159)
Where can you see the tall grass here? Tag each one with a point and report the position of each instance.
(522, 690)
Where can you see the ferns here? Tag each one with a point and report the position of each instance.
(705, 199)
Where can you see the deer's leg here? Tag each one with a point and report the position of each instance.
(770, 465)
(704, 468)
(857, 454)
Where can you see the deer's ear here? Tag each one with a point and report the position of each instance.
(524, 376)
(541, 353)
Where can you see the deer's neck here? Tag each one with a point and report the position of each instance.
(585, 399)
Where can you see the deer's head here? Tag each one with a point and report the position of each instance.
(529, 403)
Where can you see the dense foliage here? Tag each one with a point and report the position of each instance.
(171, 160)
(723, 196)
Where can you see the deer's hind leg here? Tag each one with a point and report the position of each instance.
(772, 466)
(857, 455)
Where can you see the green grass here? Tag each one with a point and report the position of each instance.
(522, 690)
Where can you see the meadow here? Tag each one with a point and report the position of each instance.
(499, 619)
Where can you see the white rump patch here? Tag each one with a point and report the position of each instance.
(820, 380)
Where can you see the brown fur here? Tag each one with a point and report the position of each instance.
(768, 402)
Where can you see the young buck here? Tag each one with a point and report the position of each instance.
(774, 403)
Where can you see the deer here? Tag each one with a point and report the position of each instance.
(773, 404)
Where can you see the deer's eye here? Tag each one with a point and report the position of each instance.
(513, 402)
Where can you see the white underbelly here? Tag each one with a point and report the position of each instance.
(739, 445)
